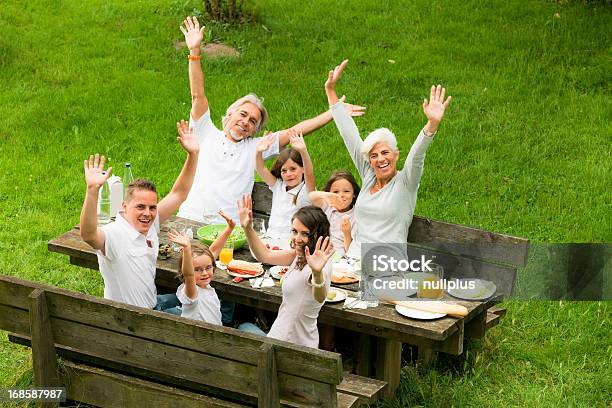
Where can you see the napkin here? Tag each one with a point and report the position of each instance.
(267, 282)
(353, 303)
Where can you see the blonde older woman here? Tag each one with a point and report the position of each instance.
(386, 203)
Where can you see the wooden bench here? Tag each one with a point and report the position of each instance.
(120, 355)
(463, 251)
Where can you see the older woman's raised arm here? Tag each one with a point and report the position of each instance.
(345, 124)
(434, 110)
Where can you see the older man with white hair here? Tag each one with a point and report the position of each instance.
(385, 205)
(226, 167)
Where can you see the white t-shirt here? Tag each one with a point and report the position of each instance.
(297, 316)
(279, 225)
(205, 307)
(335, 219)
(226, 171)
(128, 264)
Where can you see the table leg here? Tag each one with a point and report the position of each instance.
(389, 364)
(424, 356)
(362, 359)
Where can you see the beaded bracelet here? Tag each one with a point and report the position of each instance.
(316, 285)
(194, 57)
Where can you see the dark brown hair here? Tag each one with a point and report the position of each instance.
(139, 184)
(196, 250)
(317, 223)
(344, 175)
(285, 155)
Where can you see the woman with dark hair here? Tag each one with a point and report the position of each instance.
(307, 280)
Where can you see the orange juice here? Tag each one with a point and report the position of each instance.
(430, 288)
(226, 255)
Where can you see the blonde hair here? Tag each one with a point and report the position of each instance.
(382, 135)
(196, 250)
(250, 98)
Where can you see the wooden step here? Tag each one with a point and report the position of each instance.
(368, 390)
(347, 401)
(500, 311)
(492, 320)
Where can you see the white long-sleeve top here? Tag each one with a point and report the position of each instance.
(383, 216)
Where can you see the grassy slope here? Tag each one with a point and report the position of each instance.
(525, 148)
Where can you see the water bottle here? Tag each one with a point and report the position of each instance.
(127, 176)
(104, 204)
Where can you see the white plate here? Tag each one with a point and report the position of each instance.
(340, 295)
(417, 314)
(275, 271)
(482, 289)
(243, 276)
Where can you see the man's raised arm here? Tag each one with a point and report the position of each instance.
(95, 177)
(170, 203)
(310, 125)
(194, 35)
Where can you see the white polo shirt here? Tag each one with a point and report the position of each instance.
(128, 265)
(279, 225)
(205, 307)
(226, 171)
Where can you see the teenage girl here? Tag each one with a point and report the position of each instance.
(290, 179)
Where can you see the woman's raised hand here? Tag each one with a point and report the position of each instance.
(245, 211)
(435, 107)
(324, 250)
(179, 238)
(194, 34)
(334, 75)
(94, 171)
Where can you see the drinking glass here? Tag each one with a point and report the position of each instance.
(259, 225)
(431, 286)
(181, 228)
(208, 219)
(227, 253)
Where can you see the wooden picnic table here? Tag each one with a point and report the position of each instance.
(381, 329)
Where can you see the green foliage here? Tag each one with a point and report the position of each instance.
(231, 11)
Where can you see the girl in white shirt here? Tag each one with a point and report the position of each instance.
(199, 300)
(337, 201)
(307, 281)
(290, 179)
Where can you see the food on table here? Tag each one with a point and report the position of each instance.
(244, 267)
(165, 251)
(283, 271)
(332, 295)
(209, 233)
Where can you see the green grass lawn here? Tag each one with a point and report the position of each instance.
(525, 148)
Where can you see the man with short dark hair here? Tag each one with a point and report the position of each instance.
(127, 248)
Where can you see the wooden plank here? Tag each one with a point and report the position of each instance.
(268, 396)
(492, 320)
(347, 400)
(262, 198)
(476, 327)
(104, 388)
(44, 359)
(469, 241)
(363, 356)
(368, 390)
(192, 335)
(498, 310)
(425, 356)
(389, 364)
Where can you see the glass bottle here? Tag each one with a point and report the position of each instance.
(127, 175)
(104, 204)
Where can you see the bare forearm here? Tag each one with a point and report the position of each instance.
(309, 176)
(218, 243)
(332, 96)
(317, 198)
(312, 124)
(256, 245)
(318, 293)
(184, 181)
(89, 216)
(188, 273)
(348, 239)
(199, 102)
